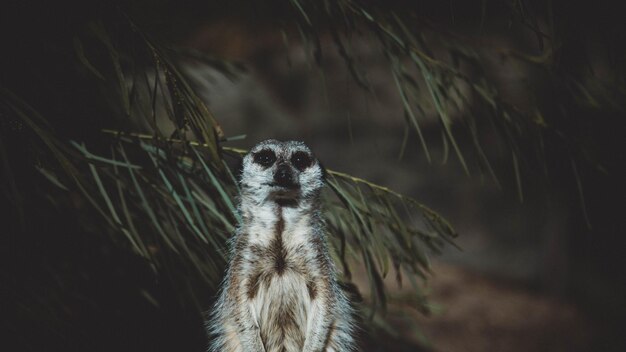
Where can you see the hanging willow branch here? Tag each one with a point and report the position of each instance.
(368, 223)
(450, 68)
(169, 196)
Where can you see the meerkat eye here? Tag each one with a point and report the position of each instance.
(264, 157)
(301, 160)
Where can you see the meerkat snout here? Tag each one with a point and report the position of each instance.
(283, 177)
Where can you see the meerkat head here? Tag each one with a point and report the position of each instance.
(283, 172)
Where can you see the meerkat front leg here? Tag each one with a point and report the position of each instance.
(254, 333)
(241, 332)
(318, 326)
(244, 334)
(249, 330)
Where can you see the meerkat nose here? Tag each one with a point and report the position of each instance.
(283, 176)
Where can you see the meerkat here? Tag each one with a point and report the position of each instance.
(280, 292)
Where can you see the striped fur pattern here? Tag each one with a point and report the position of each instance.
(280, 293)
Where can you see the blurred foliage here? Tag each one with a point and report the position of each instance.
(78, 175)
(454, 69)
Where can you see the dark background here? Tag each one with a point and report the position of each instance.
(532, 275)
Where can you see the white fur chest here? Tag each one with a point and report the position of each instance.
(295, 224)
(281, 308)
(282, 264)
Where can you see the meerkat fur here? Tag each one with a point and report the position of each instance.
(280, 293)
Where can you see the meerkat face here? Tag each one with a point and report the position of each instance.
(282, 172)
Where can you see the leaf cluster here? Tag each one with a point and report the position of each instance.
(169, 199)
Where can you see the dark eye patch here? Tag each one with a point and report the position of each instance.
(264, 157)
(301, 160)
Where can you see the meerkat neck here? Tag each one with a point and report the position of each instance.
(271, 211)
(270, 219)
(252, 208)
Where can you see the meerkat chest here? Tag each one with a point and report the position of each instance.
(282, 267)
(281, 308)
(282, 248)
(281, 284)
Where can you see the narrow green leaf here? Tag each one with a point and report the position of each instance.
(213, 210)
(146, 204)
(408, 110)
(100, 32)
(518, 177)
(80, 53)
(109, 204)
(298, 6)
(91, 156)
(129, 219)
(170, 188)
(581, 195)
(51, 177)
(218, 186)
(192, 202)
